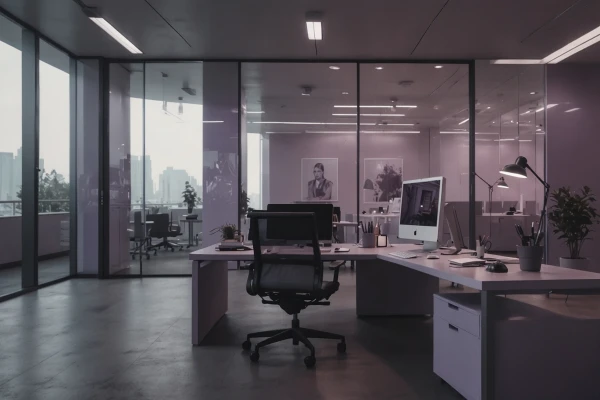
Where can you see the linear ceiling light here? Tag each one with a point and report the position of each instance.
(574, 47)
(516, 62)
(94, 15)
(303, 123)
(391, 124)
(331, 132)
(388, 106)
(313, 25)
(549, 106)
(462, 122)
(572, 109)
(383, 131)
(255, 112)
(369, 115)
(212, 122)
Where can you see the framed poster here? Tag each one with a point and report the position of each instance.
(319, 179)
(382, 179)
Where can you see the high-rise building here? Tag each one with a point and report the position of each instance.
(7, 191)
(137, 174)
(171, 184)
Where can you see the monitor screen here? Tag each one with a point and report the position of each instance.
(420, 203)
(283, 231)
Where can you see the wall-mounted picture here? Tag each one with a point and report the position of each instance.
(382, 179)
(319, 179)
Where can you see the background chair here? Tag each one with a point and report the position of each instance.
(138, 236)
(161, 230)
(290, 277)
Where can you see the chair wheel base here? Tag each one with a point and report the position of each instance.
(254, 356)
(310, 361)
(341, 347)
(246, 345)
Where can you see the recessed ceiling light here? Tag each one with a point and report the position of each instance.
(368, 115)
(489, 107)
(344, 93)
(533, 93)
(368, 106)
(313, 26)
(439, 66)
(572, 109)
(462, 122)
(379, 68)
(334, 67)
(92, 14)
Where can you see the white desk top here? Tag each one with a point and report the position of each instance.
(345, 223)
(549, 278)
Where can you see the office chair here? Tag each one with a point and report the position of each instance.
(161, 230)
(138, 237)
(292, 278)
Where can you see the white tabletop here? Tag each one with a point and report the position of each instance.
(345, 223)
(549, 278)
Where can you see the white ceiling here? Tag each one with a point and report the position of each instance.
(275, 29)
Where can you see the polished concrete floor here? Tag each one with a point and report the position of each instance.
(130, 339)
(48, 271)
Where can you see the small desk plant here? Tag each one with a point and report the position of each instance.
(190, 197)
(573, 215)
(229, 232)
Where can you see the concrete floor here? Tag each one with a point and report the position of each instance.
(130, 339)
(48, 271)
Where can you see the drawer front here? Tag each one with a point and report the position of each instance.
(456, 315)
(457, 358)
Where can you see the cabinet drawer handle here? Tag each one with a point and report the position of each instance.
(453, 327)
(452, 306)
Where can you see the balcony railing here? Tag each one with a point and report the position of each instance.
(14, 207)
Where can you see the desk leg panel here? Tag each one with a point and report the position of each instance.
(384, 288)
(209, 297)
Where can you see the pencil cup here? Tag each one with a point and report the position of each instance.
(480, 250)
(384, 229)
(369, 240)
(530, 257)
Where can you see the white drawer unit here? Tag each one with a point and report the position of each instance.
(456, 342)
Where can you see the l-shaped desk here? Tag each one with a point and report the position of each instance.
(388, 286)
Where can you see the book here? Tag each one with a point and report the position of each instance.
(467, 262)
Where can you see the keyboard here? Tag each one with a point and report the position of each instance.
(403, 254)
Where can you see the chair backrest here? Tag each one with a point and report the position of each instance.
(138, 226)
(160, 225)
(286, 269)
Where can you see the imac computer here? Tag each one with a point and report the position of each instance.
(421, 211)
(285, 231)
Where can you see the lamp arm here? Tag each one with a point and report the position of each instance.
(543, 182)
(484, 181)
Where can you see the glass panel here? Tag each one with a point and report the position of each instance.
(510, 115)
(126, 238)
(88, 137)
(414, 125)
(10, 156)
(299, 136)
(54, 162)
(173, 162)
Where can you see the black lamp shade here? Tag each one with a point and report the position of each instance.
(369, 185)
(517, 169)
(502, 183)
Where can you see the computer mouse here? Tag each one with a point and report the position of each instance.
(432, 257)
(496, 267)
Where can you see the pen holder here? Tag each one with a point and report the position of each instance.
(384, 228)
(368, 240)
(480, 251)
(530, 257)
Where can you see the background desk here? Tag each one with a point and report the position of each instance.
(387, 285)
(504, 236)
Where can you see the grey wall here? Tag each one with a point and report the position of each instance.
(572, 148)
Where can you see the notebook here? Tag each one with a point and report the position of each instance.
(467, 262)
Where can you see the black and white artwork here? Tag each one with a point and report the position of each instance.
(382, 179)
(319, 179)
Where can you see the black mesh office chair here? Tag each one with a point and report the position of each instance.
(161, 229)
(290, 277)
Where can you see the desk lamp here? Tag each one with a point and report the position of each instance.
(519, 170)
(501, 184)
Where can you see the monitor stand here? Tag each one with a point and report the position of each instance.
(430, 246)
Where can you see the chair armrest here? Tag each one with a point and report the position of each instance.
(335, 265)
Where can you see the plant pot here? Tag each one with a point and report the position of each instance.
(575, 263)
(530, 257)
(190, 209)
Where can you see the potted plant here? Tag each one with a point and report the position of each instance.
(572, 215)
(228, 232)
(190, 197)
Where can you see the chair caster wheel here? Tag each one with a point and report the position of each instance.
(254, 356)
(341, 347)
(310, 361)
(246, 345)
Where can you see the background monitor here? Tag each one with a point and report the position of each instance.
(285, 231)
(421, 209)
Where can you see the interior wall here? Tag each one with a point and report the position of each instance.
(572, 138)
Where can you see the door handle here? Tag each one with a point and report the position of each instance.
(453, 327)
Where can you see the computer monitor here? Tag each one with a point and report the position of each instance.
(421, 210)
(283, 231)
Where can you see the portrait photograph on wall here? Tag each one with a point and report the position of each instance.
(319, 179)
(382, 179)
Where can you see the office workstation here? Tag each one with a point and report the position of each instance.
(289, 200)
